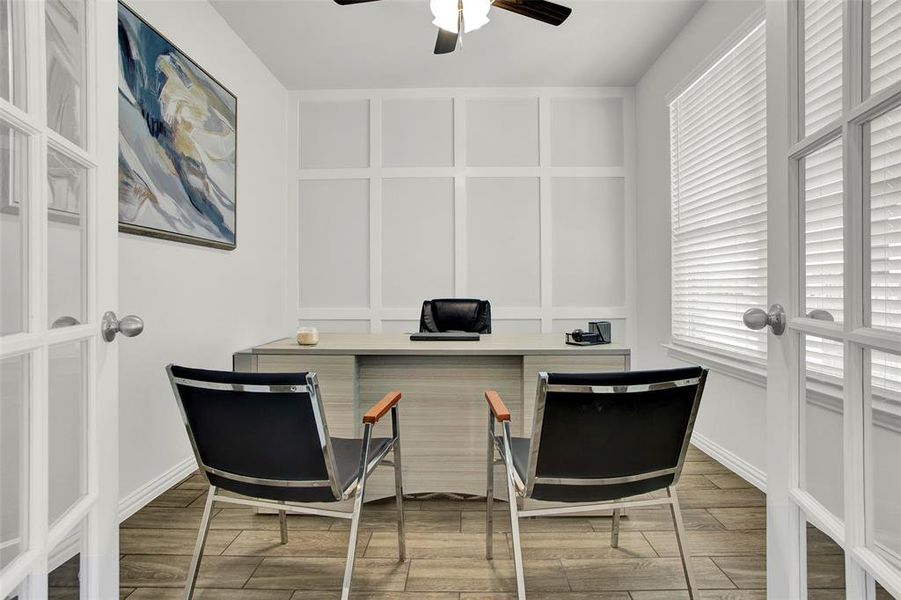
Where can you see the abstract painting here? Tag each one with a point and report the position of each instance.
(177, 142)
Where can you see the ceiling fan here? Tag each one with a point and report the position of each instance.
(455, 17)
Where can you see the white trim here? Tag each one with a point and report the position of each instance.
(730, 460)
(740, 33)
(501, 92)
(885, 573)
(344, 313)
(545, 313)
(748, 371)
(9, 543)
(886, 413)
(139, 498)
(66, 549)
(894, 556)
(821, 391)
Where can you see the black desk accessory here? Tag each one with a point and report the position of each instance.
(445, 336)
(598, 333)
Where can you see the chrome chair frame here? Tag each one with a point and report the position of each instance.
(355, 489)
(518, 490)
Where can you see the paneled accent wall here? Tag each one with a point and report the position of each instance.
(523, 197)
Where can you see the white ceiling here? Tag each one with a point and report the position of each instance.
(317, 44)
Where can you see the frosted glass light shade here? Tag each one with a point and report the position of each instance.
(475, 14)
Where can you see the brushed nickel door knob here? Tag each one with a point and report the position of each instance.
(757, 318)
(129, 326)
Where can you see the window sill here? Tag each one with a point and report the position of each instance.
(747, 371)
(822, 391)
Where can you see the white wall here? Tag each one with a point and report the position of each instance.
(521, 196)
(201, 304)
(732, 421)
(733, 414)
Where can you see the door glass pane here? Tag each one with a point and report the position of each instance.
(882, 593)
(822, 424)
(67, 418)
(5, 54)
(823, 232)
(16, 594)
(884, 442)
(12, 52)
(65, 24)
(825, 566)
(885, 220)
(64, 580)
(885, 44)
(14, 401)
(66, 240)
(13, 231)
(822, 63)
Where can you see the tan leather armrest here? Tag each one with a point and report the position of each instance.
(498, 409)
(383, 406)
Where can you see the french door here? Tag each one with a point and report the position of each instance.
(834, 229)
(58, 274)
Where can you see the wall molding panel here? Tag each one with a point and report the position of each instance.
(522, 196)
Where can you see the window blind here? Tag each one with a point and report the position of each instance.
(885, 240)
(718, 167)
(822, 63)
(885, 44)
(823, 183)
(824, 231)
(822, 207)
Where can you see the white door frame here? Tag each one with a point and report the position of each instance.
(789, 507)
(96, 513)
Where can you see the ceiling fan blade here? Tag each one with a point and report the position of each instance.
(546, 12)
(446, 42)
(347, 2)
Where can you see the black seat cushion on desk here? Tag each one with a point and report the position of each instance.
(455, 314)
(347, 459)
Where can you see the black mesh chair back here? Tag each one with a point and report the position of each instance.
(600, 436)
(258, 434)
(455, 314)
(600, 441)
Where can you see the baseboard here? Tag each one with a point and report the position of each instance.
(136, 500)
(69, 547)
(730, 460)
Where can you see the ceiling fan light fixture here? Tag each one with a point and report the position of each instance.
(475, 14)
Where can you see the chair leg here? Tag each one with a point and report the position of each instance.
(489, 492)
(514, 517)
(614, 531)
(283, 525)
(358, 510)
(191, 580)
(693, 593)
(399, 493)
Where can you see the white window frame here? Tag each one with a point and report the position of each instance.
(749, 370)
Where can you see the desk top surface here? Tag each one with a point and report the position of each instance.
(496, 344)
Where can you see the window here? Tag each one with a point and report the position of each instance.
(718, 156)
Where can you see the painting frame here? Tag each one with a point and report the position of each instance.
(143, 230)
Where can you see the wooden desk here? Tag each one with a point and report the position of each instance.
(443, 415)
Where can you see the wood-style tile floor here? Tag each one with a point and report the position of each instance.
(565, 557)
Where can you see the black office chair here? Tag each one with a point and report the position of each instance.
(455, 314)
(598, 441)
(264, 435)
